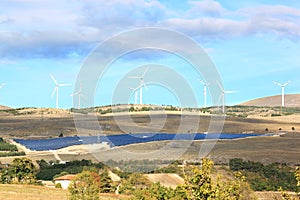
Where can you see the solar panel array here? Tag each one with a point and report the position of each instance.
(122, 139)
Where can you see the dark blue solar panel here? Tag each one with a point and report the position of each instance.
(123, 139)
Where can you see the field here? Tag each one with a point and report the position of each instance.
(45, 123)
(30, 192)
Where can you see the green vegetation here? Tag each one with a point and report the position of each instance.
(200, 181)
(49, 170)
(22, 170)
(269, 177)
(7, 149)
(199, 185)
(138, 165)
(86, 186)
(7, 154)
(4, 146)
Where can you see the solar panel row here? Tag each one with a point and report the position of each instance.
(120, 140)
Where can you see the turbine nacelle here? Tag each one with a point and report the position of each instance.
(282, 85)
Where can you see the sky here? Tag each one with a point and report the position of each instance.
(251, 43)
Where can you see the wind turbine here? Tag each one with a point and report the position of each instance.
(224, 92)
(79, 94)
(57, 85)
(135, 94)
(142, 84)
(205, 84)
(282, 90)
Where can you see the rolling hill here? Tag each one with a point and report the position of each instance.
(4, 107)
(291, 100)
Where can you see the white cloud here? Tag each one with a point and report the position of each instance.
(206, 7)
(62, 28)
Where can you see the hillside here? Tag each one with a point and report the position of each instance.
(4, 107)
(291, 100)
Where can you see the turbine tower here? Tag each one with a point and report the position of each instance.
(224, 92)
(57, 85)
(142, 84)
(79, 94)
(282, 90)
(205, 84)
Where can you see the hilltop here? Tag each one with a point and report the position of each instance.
(291, 100)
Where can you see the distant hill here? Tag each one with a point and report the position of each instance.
(291, 100)
(4, 107)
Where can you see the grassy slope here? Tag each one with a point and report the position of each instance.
(22, 192)
(30, 192)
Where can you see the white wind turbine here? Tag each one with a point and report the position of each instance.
(142, 84)
(224, 92)
(79, 94)
(57, 85)
(205, 84)
(282, 91)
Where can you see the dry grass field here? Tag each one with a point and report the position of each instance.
(291, 100)
(36, 125)
(167, 180)
(30, 192)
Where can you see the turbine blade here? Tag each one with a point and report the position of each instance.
(220, 86)
(286, 83)
(134, 77)
(220, 99)
(55, 89)
(76, 93)
(59, 85)
(229, 91)
(145, 72)
(201, 81)
(145, 85)
(54, 80)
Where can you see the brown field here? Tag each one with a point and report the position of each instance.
(30, 192)
(284, 148)
(41, 125)
(291, 100)
(167, 180)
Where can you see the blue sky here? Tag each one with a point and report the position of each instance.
(252, 43)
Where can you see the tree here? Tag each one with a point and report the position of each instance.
(134, 182)
(22, 170)
(86, 186)
(156, 192)
(284, 194)
(297, 176)
(106, 182)
(199, 184)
